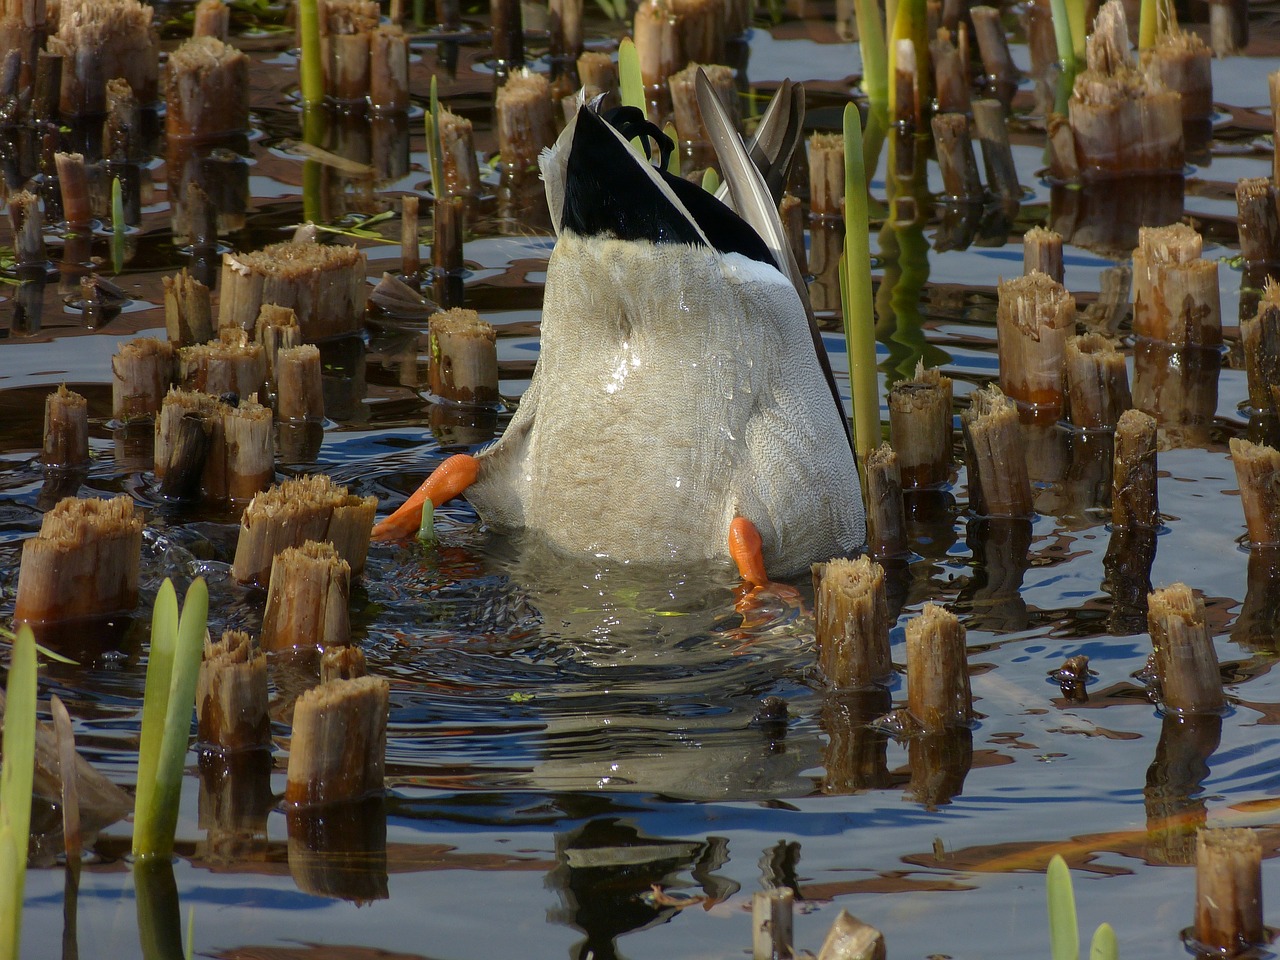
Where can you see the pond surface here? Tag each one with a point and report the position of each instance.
(565, 735)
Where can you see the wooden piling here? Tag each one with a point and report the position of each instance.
(307, 599)
(886, 519)
(1175, 290)
(1134, 502)
(141, 372)
(308, 508)
(323, 283)
(826, 175)
(1042, 251)
(299, 387)
(231, 695)
(938, 695)
(920, 428)
(999, 485)
(338, 748)
(230, 364)
(851, 620)
(206, 91)
(66, 430)
(960, 180)
(525, 122)
(188, 312)
(1186, 664)
(771, 924)
(1258, 477)
(1034, 317)
(84, 562)
(1229, 890)
(1097, 382)
(463, 362)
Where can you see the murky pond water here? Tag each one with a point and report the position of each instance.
(564, 735)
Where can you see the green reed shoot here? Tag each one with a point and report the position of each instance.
(855, 291)
(117, 225)
(673, 161)
(1155, 19)
(1077, 16)
(630, 81)
(875, 58)
(435, 149)
(427, 528)
(710, 180)
(16, 777)
(173, 663)
(1064, 932)
(310, 69)
(1062, 35)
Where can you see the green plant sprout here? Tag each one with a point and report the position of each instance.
(875, 59)
(435, 149)
(1064, 931)
(167, 702)
(630, 80)
(310, 71)
(117, 226)
(1062, 36)
(855, 291)
(17, 775)
(615, 10)
(710, 180)
(427, 529)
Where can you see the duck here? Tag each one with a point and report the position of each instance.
(682, 407)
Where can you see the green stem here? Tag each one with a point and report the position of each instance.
(1077, 17)
(1148, 24)
(875, 58)
(1062, 34)
(310, 70)
(855, 288)
(16, 777)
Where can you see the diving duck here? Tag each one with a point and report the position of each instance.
(682, 407)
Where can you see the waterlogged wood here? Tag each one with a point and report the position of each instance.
(84, 562)
(73, 183)
(992, 127)
(389, 69)
(463, 358)
(771, 924)
(886, 518)
(999, 485)
(293, 512)
(188, 312)
(308, 599)
(1181, 61)
(66, 430)
(851, 939)
(323, 283)
(1042, 253)
(458, 155)
(1134, 501)
(101, 41)
(525, 120)
(1229, 890)
(1258, 477)
(231, 694)
(1097, 382)
(1034, 317)
(183, 438)
(959, 168)
(338, 748)
(342, 663)
(938, 694)
(299, 385)
(27, 224)
(993, 44)
(826, 175)
(238, 453)
(231, 364)
(1256, 209)
(1186, 664)
(1175, 290)
(276, 328)
(206, 91)
(851, 620)
(212, 19)
(920, 428)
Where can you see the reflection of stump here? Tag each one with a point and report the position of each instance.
(1258, 623)
(1174, 811)
(1001, 555)
(1130, 553)
(1179, 387)
(340, 850)
(235, 800)
(939, 764)
(855, 755)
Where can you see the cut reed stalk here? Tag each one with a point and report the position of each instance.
(463, 363)
(230, 364)
(212, 19)
(959, 168)
(565, 30)
(525, 122)
(599, 75)
(231, 695)
(1175, 290)
(101, 41)
(826, 175)
(1042, 252)
(289, 514)
(188, 313)
(339, 742)
(951, 75)
(507, 26)
(938, 695)
(461, 172)
(1273, 88)
(206, 91)
(323, 283)
(84, 562)
(410, 259)
(1259, 229)
(1258, 476)
(999, 485)
(276, 328)
(1134, 501)
(73, 183)
(1260, 336)
(389, 69)
(141, 372)
(851, 939)
(886, 519)
(447, 236)
(771, 924)
(851, 619)
(1180, 61)
(48, 86)
(1186, 664)
(688, 117)
(28, 228)
(1097, 382)
(920, 428)
(905, 108)
(993, 44)
(1034, 317)
(657, 42)
(307, 599)
(183, 439)
(342, 663)
(997, 156)
(66, 430)
(299, 386)
(1229, 890)
(791, 213)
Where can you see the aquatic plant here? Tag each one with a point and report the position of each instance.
(875, 58)
(167, 704)
(16, 778)
(1064, 931)
(855, 291)
(630, 80)
(435, 149)
(1063, 36)
(427, 529)
(310, 70)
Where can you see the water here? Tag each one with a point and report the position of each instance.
(565, 735)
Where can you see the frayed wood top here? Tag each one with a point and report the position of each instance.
(1175, 243)
(1175, 600)
(294, 260)
(203, 55)
(236, 646)
(73, 521)
(145, 347)
(69, 398)
(348, 16)
(321, 550)
(524, 87)
(461, 322)
(1035, 300)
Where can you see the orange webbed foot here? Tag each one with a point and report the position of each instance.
(747, 551)
(447, 481)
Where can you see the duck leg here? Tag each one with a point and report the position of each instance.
(747, 551)
(446, 482)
